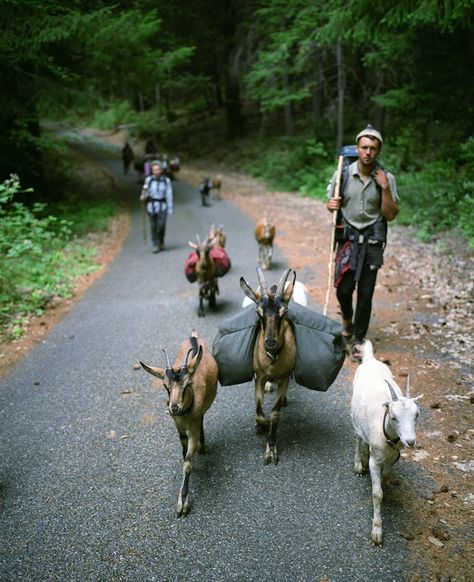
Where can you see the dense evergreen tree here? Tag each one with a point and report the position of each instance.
(407, 66)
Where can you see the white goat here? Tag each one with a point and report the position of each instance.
(384, 422)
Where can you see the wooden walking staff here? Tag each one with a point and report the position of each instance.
(337, 194)
(144, 189)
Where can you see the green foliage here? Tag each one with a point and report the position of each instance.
(39, 256)
(436, 198)
(113, 115)
(293, 164)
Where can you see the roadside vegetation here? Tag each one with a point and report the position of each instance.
(44, 248)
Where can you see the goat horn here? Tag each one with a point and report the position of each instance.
(408, 387)
(186, 357)
(392, 391)
(263, 283)
(168, 361)
(281, 283)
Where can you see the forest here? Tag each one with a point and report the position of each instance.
(279, 85)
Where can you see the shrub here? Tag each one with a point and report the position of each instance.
(39, 259)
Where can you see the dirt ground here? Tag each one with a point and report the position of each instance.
(422, 325)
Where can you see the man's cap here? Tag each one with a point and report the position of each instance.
(369, 131)
(157, 163)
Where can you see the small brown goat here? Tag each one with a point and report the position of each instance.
(191, 387)
(216, 185)
(206, 274)
(265, 233)
(217, 235)
(274, 355)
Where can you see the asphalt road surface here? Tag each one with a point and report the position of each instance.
(90, 461)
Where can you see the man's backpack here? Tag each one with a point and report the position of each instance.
(349, 155)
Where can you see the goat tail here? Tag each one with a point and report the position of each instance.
(367, 350)
(194, 342)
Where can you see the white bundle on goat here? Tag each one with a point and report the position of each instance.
(384, 422)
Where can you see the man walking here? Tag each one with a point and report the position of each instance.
(157, 193)
(368, 200)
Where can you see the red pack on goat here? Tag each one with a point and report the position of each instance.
(221, 259)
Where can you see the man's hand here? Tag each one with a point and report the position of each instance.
(333, 204)
(381, 179)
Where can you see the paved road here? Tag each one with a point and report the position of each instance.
(90, 461)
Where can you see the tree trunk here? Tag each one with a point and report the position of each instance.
(341, 82)
(158, 98)
(235, 125)
(289, 123)
(379, 110)
(318, 90)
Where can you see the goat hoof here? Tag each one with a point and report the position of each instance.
(377, 544)
(271, 456)
(183, 509)
(376, 539)
(267, 459)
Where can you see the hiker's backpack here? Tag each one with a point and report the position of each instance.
(350, 155)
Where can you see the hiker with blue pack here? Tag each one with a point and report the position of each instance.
(157, 195)
(366, 199)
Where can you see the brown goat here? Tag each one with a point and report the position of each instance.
(206, 275)
(265, 233)
(217, 235)
(191, 387)
(274, 355)
(216, 185)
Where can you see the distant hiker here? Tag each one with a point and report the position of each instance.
(204, 189)
(150, 147)
(127, 157)
(368, 200)
(147, 164)
(157, 194)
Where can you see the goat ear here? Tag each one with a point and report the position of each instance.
(194, 363)
(418, 397)
(248, 290)
(153, 371)
(289, 286)
(193, 245)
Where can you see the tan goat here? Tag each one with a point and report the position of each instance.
(265, 233)
(274, 354)
(191, 387)
(216, 185)
(217, 235)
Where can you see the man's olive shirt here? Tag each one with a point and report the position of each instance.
(361, 204)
